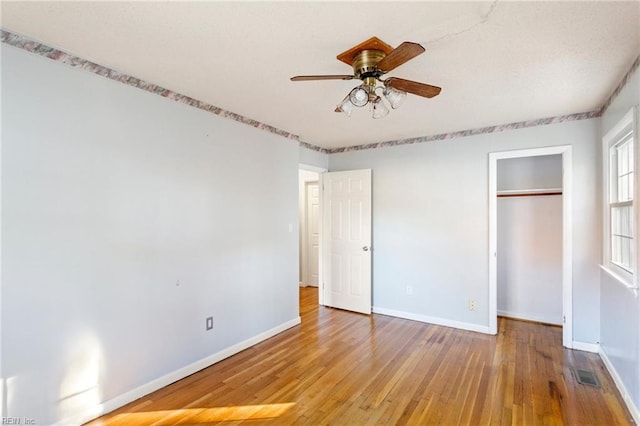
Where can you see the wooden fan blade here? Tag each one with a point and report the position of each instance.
(321, 77)
(401, 54)
(420, 89)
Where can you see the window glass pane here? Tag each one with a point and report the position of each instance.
(628, 221)
(615, 249)
(625, 252)
(622, 188)
(626, 248)
(622, 235)
(613, 176)
(622, 159)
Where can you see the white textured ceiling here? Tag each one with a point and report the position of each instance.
(497, 62)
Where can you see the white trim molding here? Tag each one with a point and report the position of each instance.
(526, 317)
(567, 234)
(432, 320)
(626, 396)
(619, 278)
(91, 413)
(586, 346)
(310, 168)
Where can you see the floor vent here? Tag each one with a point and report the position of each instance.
(585, 377)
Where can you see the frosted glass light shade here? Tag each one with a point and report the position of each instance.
(345, 106)
(359, 96)
(378, 108)
(395, 97)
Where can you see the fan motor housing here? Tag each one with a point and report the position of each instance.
(364, 63)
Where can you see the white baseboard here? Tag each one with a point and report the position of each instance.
(432, 320)
(587, 347)
(517, 315)
(635, 413)
(127, 397)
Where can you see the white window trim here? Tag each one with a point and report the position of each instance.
(629, 280)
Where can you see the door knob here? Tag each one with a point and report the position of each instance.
(365, 248)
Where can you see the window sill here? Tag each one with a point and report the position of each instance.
(621, 279)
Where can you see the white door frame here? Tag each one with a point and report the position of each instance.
(320, 171)
(306, 227)
(567, 251)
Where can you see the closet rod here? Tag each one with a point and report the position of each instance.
(531, 194)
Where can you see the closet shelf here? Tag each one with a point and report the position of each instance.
(529, 192)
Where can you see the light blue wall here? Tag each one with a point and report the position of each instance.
(430, 222)
(620, 306)
(111, 195)
(313, 158)
(543, 172)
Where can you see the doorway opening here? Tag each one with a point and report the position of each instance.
(531, 204)
(308, 210)
(309, 217)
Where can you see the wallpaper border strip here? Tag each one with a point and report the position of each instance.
(623, 82)
(41, 49)
(472, 132)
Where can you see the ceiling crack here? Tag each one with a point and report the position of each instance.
(483, 18)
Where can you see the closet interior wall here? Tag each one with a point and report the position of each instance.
(529, 256)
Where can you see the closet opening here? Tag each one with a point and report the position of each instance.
(530, 237)
(529, 247)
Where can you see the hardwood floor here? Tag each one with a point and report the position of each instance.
(344, 368)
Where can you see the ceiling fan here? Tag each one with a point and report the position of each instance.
(370, 60)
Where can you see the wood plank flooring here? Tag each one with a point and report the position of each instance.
(343, 368)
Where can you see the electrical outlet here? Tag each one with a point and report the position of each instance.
(409, 290)
(209, 323)
(473, 305)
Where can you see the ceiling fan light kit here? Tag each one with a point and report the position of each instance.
(370, 60)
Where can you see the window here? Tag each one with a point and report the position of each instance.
(619, 152)
(621, 202)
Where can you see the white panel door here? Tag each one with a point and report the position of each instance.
(346, 240)
(313, 235)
